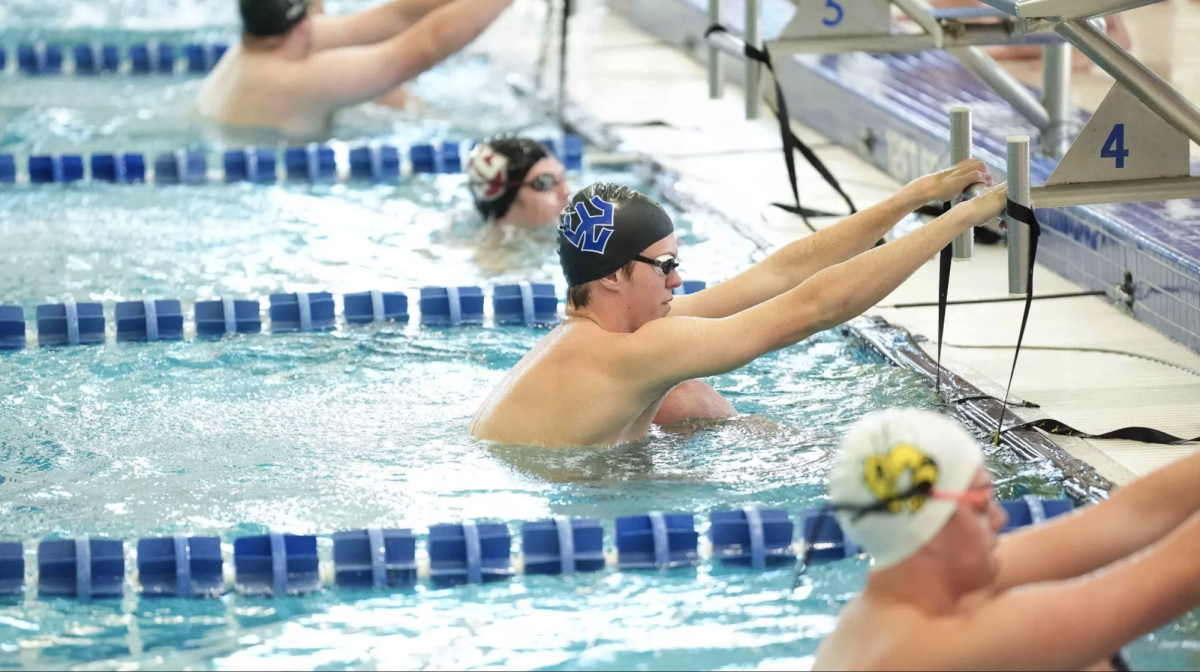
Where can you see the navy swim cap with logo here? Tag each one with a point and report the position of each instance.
(604, 227)
(497, 170)
(271, 18)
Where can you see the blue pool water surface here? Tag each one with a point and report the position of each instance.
(362, 427)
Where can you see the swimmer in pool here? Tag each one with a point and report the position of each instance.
(601, 377)
(295, 68)
(946, 593)
(518, 182)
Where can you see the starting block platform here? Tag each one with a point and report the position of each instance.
(893, 110)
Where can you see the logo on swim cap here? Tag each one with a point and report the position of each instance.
(488, 171)
(575, 226)
(900, 471)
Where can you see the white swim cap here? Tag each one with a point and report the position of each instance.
(888, 454)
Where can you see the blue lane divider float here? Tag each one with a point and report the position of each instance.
(96, 59)
(181, 566)
(377, 163)
(149, 320)
(657, 541)
(40, 58)
(563, 546)
(276, 564)
(70, 323)
(375, 558)
(252, 164)
(12, 568)
(202, 58)
(314, 162)
(12, 327)
(153, 58)
(469, 552)
(181, 167)
(119, 168)
(227, 316)
(46, 58)
(752, 538)
(375, 306)
(82, 568)
(259, 165)
(525, 303)
(451, 306)
(303, 312)
(55, 169)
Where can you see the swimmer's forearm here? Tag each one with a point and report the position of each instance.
(1134, 517)
(799, 260)
(850, 288)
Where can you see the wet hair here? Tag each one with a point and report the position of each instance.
(580, 296)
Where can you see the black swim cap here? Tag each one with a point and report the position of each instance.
(271, 18)
(497, 170)
(604, 227)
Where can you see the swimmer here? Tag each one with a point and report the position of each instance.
(601, 377)
(946, 593)
(517, 181)
(295, 68)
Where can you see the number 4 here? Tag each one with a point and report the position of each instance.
(1114, 147)
(841, 13)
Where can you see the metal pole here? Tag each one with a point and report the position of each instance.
(1056, 81)
(921, 14)
(1124, 191)
(1147, 86)
(960, 150)
(716, 73)
(753, 69)
(1018, 233)
(1009, 87)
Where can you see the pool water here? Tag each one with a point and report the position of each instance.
(367, 426)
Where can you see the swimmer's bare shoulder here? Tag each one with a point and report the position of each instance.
(873, 635)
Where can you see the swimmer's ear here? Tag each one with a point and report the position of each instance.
(610, 282)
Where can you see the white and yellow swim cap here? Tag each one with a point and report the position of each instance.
(889, 454)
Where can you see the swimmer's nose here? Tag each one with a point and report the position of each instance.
(673, 280)
(999, 516)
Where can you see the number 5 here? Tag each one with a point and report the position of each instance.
(841, 13)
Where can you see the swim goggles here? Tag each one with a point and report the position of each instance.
(546, 182)
(664, 264)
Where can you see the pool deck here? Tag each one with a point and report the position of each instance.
(620, 76)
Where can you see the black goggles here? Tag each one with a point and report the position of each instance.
(664, 264)
(546, 182)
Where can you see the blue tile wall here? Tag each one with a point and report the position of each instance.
(891, 110)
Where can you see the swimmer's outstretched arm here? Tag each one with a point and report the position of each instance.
(371, 26)
(799, 260)
(1068, 625)
(668, 351)
(1134, 517)
(336, 78)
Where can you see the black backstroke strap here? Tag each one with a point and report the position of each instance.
(1025, 215)
(1020, 213)
(945, 261)
(791, 143)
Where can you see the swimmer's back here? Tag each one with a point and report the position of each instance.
(549, 397)
(261, 90)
